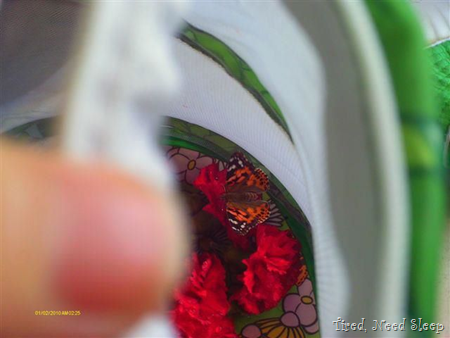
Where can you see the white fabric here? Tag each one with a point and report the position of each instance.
(152, 327)
(435, 16)
(42, 102)
(120, 87)
(36, 38)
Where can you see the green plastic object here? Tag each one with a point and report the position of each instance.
(402, 38)
(440, 55)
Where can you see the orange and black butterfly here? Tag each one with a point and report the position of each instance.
(243, 194)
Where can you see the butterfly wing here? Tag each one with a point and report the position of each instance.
(244, 216)
(243, 176)
(244, 186)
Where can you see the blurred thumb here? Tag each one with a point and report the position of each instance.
(86, 250)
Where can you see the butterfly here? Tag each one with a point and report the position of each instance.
(244, 187)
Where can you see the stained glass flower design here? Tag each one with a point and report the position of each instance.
(187, 163)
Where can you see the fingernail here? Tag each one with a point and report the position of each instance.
(110, 247)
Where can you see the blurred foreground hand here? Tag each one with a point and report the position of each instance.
(88, 240)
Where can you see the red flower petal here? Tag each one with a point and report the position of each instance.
(202, 305)
(212, 182)
(271, 270)
(239, 241)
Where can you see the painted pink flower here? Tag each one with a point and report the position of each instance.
(188, 163)
(251, 331)
(300, 308)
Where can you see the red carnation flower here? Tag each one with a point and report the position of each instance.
(271, 271)
(202, 305)
(239, 241)
(212, 183)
